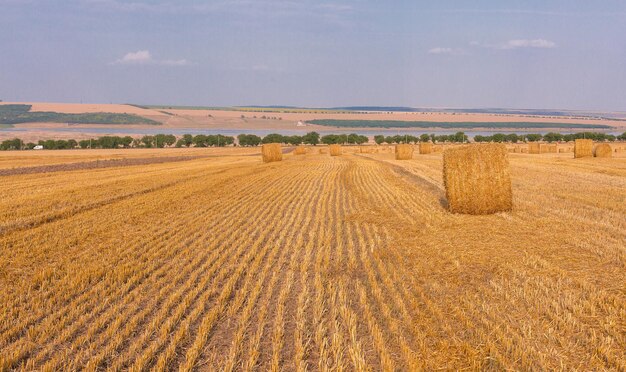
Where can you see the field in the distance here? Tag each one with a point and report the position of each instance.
(221, 262)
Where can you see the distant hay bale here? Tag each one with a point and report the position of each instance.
(562, 150)
(271, 152)
(335, 150)
(366, 149)
(477, 180)
(603, 150)
(524, 151)
(547, 148)
(322, 151)
(517, 149)
(300, 150)
(534, 148)
(426, 147)
(437, 148)
(583, 148)
(404, 152)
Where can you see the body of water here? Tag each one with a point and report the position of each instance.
(109, 130)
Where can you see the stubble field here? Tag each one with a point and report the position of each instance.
(221, 262)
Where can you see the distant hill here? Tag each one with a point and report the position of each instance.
(19, 113)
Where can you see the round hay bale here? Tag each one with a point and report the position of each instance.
(404, 152)
(437, 148)
(366, 149)
(524, 151)
(271, 152)
(583, 148)
(322, 151)
(547, 148)
(603, 150)
(534, 148)
(335, 150)
(300, 150)
(562, 150)
(517, 150)
(426, 147)
(477, 179)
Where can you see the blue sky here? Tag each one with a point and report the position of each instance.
(485, 53)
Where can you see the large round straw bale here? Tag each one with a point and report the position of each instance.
(547, 148)
(583, 148)
(335, 150)
(534, 148)
(426, 147)
(300, 150)
(271, 152)
(517, 149)
(603, 150)
(404, 152)
(477, 179)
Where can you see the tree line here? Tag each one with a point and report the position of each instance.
(549, 137)
(311, 138)
(116, 142)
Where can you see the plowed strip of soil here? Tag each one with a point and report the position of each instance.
(94, 165)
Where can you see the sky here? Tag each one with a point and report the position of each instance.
(559, 54)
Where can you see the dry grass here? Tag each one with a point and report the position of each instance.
(534, 148)
(300, 150)
(314, 263)
(603, 150)
(404, 152)
(335, 150)
(583, 148)
(476, 178)
(425, 147)
(271, 152)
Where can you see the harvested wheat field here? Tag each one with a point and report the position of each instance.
(316, 262)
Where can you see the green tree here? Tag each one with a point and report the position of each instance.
(311, 138)
(148, 141)
(200, 140)
(553, 137)
(248, 140)
(273, 138)
(187, 140)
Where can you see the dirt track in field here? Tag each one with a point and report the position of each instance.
(94, 165)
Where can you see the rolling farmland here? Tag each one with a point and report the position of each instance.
(350, 262)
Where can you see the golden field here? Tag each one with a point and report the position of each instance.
(351, 262)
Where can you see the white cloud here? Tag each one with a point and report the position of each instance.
(136, 58)
(517, 44)
(446, 50)
(440, 50)
(176, 62)
(525, 43)
(143, 57)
